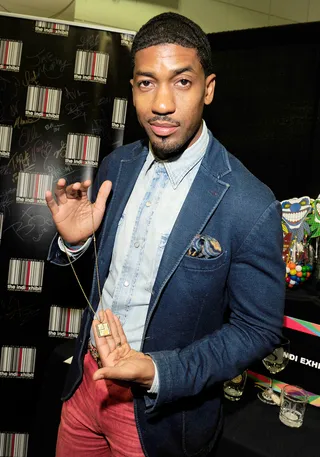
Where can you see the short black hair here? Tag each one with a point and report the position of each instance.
(173, 28)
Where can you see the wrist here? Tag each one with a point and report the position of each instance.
(153, 373)
(75, 243)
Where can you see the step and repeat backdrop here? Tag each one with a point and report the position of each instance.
(64, 93)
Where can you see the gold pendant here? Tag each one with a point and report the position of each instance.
(103, 330)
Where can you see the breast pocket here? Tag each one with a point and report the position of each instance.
(202, 264)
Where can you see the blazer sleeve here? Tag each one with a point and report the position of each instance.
(55, 254)
(256, 293)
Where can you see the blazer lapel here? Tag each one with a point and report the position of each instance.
(195, 212)
(205, 194)
(127, 175)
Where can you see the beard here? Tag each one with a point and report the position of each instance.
(166, 149)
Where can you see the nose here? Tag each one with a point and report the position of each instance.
(163, 102)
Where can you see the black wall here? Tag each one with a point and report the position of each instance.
(266, 107)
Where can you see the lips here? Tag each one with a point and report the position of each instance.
(163, 129)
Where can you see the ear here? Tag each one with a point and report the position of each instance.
(209, 89)
(133, 100)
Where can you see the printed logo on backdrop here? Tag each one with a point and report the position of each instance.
(17, 362)
(5, 140)
(82, 150)
(43, 102)
(10, 55)
(51, 28)
(25, 275)
(127, 39)
(91, 66)
(64, 322)
(14, 444)
(119, 113)
(31, 187)
(303, 360)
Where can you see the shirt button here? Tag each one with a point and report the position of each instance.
(126, 283)
(136, 244)
(148, 204)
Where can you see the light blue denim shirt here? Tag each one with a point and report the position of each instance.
(143, 230)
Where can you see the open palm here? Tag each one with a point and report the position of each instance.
(74, 215)
(119, 361)
(114, 347)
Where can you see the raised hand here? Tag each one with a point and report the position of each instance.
(72, 211)
(119, 361)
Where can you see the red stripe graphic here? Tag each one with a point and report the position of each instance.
(45, 103)
(20, 361)
(36, 188)
(12, 444)
(85, 145)
(28, 275)
(6, 54)
(54, 28)
(68, 321)
(93, 64)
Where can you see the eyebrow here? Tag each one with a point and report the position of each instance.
(176, 72)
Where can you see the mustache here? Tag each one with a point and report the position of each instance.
(164, 119)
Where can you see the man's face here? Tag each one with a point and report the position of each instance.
(169, 94)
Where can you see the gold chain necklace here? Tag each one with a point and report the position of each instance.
(102, 328)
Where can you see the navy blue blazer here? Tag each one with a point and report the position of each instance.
(208, 319)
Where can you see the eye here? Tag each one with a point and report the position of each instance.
(287, 205)
(303, 203)
(144, 84)
(184, 82)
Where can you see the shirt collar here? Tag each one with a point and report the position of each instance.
(179, 168)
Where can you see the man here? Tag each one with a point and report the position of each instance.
(189, 258)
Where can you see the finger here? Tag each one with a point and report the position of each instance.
(110, 339)
(117, 373)
(115, 341)
(138, 370)
(101, 320)
(73, 191)
(122, 335)
(78, 190)
(81, 187)
(105, 316)
(52, 205)
(84, 186)
(60, 191)
(101, 344)
(102, 196)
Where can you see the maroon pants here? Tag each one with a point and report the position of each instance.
(98, 420)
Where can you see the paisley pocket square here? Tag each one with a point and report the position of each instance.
(204, 246)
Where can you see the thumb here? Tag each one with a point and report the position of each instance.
(102, 196)
(107, 373)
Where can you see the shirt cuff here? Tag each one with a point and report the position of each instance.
(154, 389)
(72, 250)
